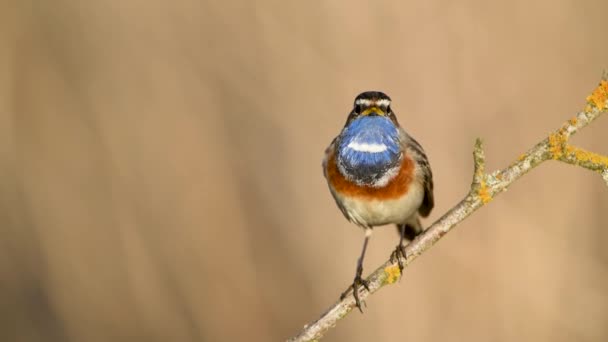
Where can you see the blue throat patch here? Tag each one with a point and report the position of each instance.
(368, 149)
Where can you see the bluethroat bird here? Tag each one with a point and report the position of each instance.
(378, 174)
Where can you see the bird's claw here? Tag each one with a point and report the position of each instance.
(399, 256)
(355, 288)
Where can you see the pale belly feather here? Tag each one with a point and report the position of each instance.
(370, 212)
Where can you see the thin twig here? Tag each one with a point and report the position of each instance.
(483, 189)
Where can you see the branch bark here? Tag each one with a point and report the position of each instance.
(483, 189)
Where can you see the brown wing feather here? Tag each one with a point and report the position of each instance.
(428, 202)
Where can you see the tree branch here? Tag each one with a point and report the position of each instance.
(483, 189)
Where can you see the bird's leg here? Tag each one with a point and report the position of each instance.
(359, 281)
(399, 253)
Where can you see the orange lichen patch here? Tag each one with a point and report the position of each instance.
(484, 193)
(522, 157)
(599, 96)
(395, 188)
(573, 121)
(585, 156)
(392, 274)
(556, 144)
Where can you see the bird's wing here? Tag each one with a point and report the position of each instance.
(428, 202)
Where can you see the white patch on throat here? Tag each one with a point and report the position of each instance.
(365, 147)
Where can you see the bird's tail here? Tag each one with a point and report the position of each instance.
(412, 229)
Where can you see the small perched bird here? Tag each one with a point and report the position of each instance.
(378, 174)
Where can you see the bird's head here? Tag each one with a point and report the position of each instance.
(370, 104)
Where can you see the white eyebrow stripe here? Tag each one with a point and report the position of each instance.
(366, 102)
(364, 147)
(383, 102)
(363, 102)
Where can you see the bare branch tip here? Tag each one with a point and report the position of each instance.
(479, 146)
(479, 188)
(479, 160)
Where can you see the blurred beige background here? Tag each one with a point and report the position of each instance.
(160, 174)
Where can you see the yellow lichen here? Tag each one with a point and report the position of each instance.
(556, 144)
(599, 97)
(483, 192)
(392, 274)
(573, 121)
(585, 156)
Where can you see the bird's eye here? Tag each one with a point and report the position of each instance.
(357, 109)
(388, 110)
